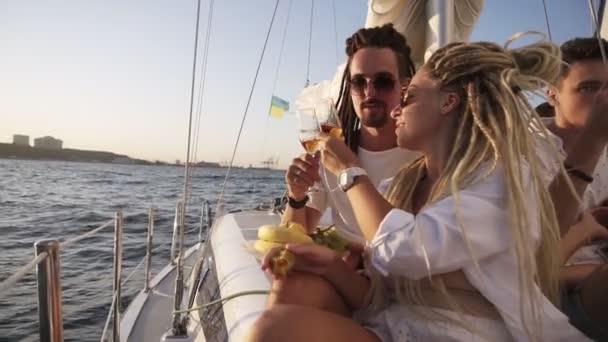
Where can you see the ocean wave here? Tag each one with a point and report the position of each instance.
(70, 199)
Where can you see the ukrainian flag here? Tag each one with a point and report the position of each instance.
(278, 107)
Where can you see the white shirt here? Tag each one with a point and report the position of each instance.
(379, 166)
(431, 242)
(594, 194)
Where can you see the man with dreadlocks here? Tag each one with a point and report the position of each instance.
(378, 67)
(466, 238)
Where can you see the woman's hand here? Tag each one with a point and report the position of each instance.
(310, 258)
(301, 175)
(353, 257)
(322, 261)
(313, 258)
(335, 155)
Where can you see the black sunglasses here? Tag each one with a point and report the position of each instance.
(382, 82)
(404, 86)
(403, 96)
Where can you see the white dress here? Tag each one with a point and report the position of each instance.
(432, 243)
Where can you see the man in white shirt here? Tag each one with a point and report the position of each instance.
(581, 88)
(378, 67)
(581, 123)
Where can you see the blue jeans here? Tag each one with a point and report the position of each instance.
(573, 308)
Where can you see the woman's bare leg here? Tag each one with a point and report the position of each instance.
(299, 323)
(307, 289)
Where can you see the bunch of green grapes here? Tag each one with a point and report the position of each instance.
(331, 238)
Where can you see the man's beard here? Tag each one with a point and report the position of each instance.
(378, 117)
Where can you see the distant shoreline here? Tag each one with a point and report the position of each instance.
(12, 151)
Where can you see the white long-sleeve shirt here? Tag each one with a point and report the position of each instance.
(594, 194)
(432, 242)
(379, 166)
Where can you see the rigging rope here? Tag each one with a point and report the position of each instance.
(105, 326)
(601, 9)
(597, 30)
(15, 277)
(225, 299)
(276, 74)
(85, 235)
(203, 79)
(547, 20)
(276, 78)
(187, 171)
(221, 197)
(312, 9)
(333, 8)
(19, 274)
(179, 285)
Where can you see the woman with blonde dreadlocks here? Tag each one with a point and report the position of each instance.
(466, 239)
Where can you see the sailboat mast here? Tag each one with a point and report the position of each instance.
(441, 15)
(179, 326)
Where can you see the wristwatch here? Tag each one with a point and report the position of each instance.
(297, 204)
(346, 178)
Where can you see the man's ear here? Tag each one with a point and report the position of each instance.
(552, 96)
(449, 102)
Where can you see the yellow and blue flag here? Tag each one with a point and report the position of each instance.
(278, 107)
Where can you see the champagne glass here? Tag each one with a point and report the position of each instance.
(327, 117)
(309, 135)
(329, 122)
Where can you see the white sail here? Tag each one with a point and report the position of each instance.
(426, 24)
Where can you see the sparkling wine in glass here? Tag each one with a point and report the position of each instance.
(309, 134)
(329, 122)
(327, 117)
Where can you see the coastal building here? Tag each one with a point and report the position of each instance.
(21, 140)
(48, 143)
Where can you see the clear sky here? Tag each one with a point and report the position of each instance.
(115, 75)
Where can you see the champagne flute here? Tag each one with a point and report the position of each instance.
(329, 122)
(327, 117)
(309, 135)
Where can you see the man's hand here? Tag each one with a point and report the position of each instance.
(301, 175)
(587, 229)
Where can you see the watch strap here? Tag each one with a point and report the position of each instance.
(297, 204)
(353, 173)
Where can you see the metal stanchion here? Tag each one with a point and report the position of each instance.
(48, 274)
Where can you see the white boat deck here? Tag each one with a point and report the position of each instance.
(238, 270)
(148, 316)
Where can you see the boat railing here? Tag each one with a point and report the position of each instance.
(47, 262)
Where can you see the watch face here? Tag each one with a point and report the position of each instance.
(343, 179)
